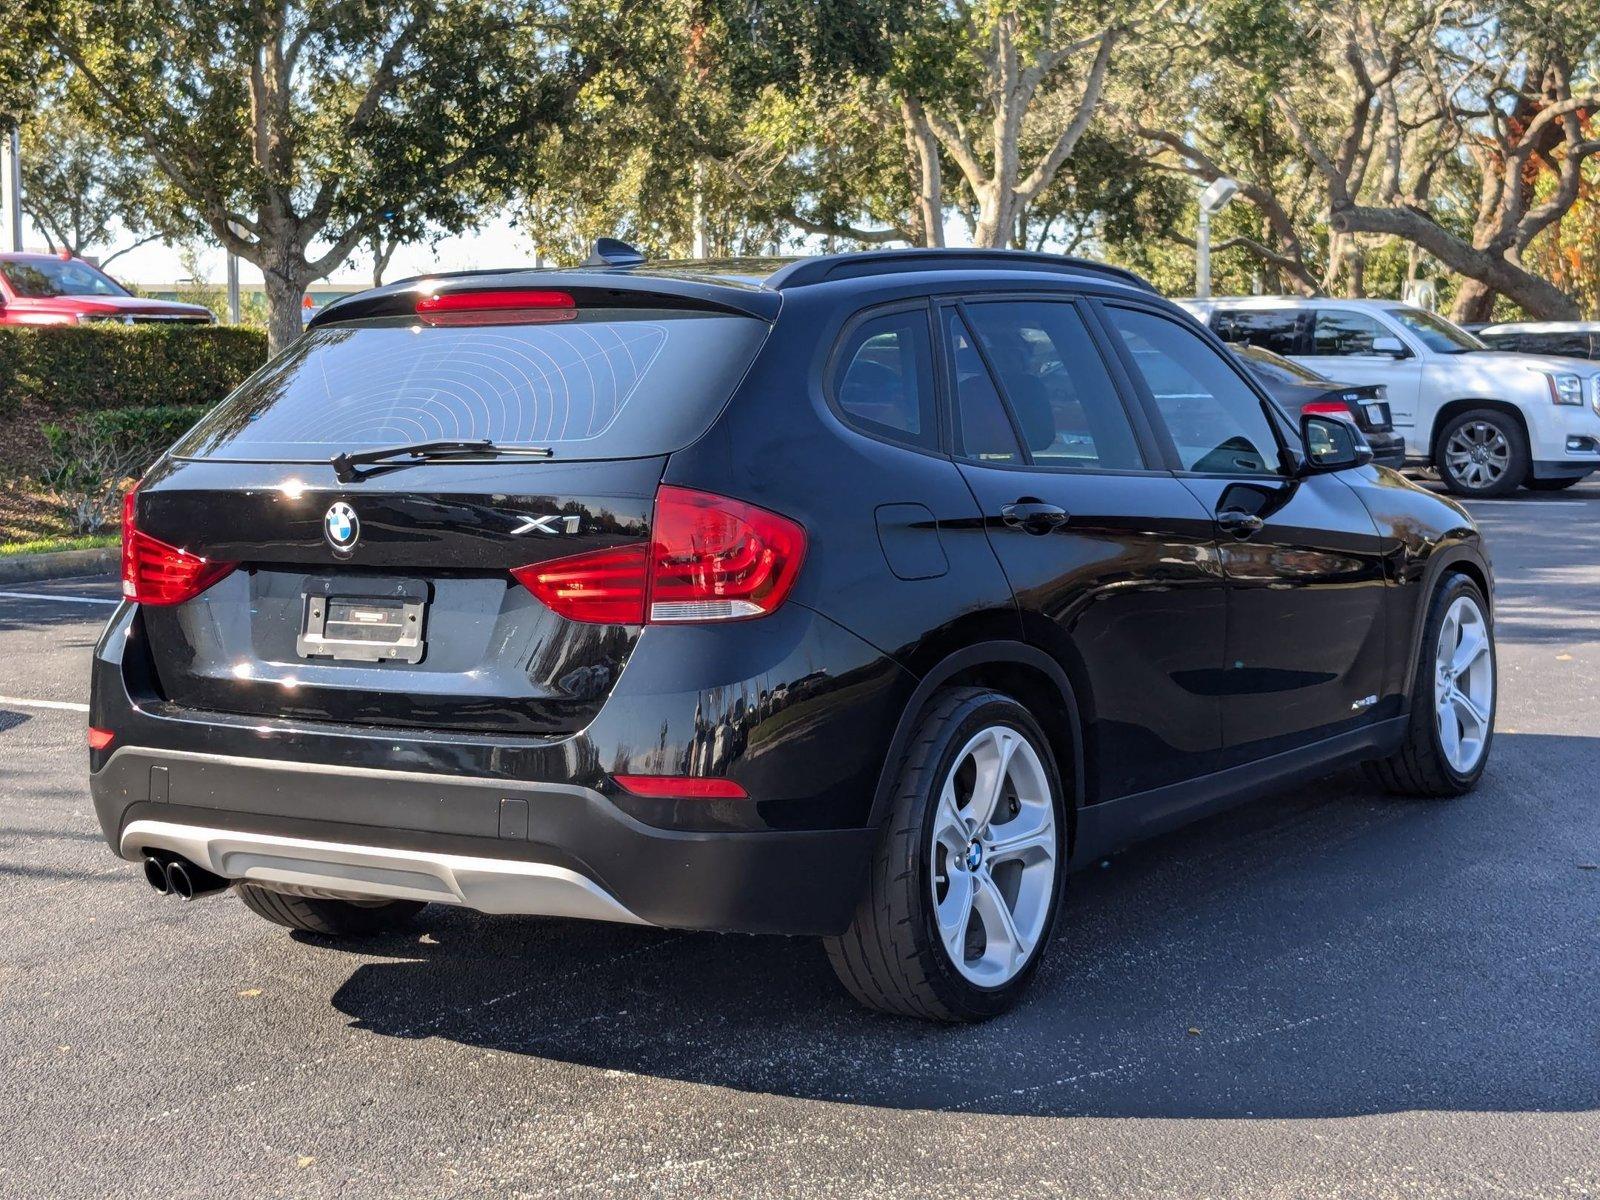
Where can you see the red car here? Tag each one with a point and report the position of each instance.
(58, 289)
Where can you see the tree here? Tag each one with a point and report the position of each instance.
(288, 128)
(80, 191)
(1492, 87)
(730, 129)
(971, 80)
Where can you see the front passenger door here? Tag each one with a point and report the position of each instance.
(1302, 557)
(1342, 349)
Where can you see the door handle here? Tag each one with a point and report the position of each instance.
(1034, 516)
(1238, 522)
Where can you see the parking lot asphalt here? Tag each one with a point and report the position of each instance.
(1325, 993)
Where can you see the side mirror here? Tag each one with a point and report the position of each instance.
(1391, 346)
(1332, 444)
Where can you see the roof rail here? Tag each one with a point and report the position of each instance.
(884, 262)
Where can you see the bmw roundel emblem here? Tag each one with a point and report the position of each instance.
(341, 527)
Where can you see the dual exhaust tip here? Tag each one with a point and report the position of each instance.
(173, 876)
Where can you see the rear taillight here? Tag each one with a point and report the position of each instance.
(156, 573)
(605, 586)
(687, 787)
(715, 559)
(1326, 408)
(508, 306)
(710, 559)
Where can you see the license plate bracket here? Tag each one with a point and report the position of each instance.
(363, 621)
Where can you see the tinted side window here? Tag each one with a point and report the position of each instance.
(884, 380)
(1060, 392)
(1277, 330)
(1567, 345)
(983, 430)
(1216, 421)
(1339, 331)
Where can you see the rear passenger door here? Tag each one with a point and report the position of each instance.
(1304, 563)
(1113, 561)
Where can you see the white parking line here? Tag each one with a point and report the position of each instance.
(59, 598)
(64, 705)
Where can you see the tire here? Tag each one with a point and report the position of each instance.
(1504, 464)
(892, 957)
(1423, 765)
(1552, 485)
(331, 918)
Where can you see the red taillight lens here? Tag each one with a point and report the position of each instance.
(1330, 408)
(510, 306)
(715, 559)
(99, 739)
(156, 573)
(689, 787)
(604, 586)
(711, 559)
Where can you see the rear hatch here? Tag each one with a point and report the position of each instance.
(386, 597)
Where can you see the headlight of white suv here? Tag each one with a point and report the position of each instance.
(1565, 387)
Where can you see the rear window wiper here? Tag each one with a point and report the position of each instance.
(393, 457)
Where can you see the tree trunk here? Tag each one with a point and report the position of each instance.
(285, 296)
(1473, 303)
(927, 214)
(995, 227)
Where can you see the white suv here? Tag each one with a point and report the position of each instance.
(1487, 420)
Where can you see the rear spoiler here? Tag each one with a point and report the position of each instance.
(590, 287)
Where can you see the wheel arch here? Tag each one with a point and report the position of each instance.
(1021, 671)
(1460, 559)
(1451, 409)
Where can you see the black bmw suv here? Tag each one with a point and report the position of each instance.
(861, 596)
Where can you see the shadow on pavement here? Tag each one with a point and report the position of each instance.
(1325, 953)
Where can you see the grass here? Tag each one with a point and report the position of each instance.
(51, 544)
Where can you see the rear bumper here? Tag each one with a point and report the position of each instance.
(541, 849)
(1388, 449)
(797, 710)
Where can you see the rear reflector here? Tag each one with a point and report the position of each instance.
(1326, 407)
(711, 559)
(99, 739)
(156, 573)
(512, 306)
(689, 787)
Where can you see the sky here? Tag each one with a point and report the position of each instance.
(497, 244)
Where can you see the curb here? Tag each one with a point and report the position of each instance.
(63, 564)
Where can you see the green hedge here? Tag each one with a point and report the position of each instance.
(70, 370)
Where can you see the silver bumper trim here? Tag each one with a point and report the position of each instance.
(489, 885)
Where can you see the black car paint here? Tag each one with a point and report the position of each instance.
(1176, 667)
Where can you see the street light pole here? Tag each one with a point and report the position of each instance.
(1212, 201)
(234, 315)
(12, 173)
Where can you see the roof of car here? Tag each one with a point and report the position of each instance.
(1542, 327)
(748, 285)
(1295, 302)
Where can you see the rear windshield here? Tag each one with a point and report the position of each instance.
(611, 383)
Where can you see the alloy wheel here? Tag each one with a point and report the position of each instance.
(1463, 688)
(1478, 454)
(994, 856)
